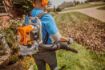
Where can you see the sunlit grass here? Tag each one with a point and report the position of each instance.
(86, 5)
(84, 60)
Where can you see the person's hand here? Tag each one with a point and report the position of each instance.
(56, 45)
(70, 41)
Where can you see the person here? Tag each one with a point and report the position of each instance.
(49, 30)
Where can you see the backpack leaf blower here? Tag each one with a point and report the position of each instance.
(30, 39)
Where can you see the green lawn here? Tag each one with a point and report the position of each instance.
(86, 59)
(86, 5)
(77, 24)
(86, 30)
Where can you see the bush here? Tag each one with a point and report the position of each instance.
(58, 9)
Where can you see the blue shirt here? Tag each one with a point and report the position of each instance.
(48, 23)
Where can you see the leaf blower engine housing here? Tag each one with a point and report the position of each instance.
(29, 36)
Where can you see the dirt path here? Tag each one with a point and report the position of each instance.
(92, 12)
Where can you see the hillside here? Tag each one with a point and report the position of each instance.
(88, 32)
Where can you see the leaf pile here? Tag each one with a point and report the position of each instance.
(84, 29)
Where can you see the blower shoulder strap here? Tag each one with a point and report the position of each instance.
(47, 35)
(41, 15)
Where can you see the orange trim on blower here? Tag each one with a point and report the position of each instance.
(24, 34)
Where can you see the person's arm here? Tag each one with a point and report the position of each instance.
(52, 29)
(54, 33)
(27, 17)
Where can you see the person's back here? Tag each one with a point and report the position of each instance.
(48, 24)
(49, 29)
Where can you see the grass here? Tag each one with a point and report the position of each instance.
(86, 30)
(102, 8)
(74, 22)
(86, 59)
(86, 5)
